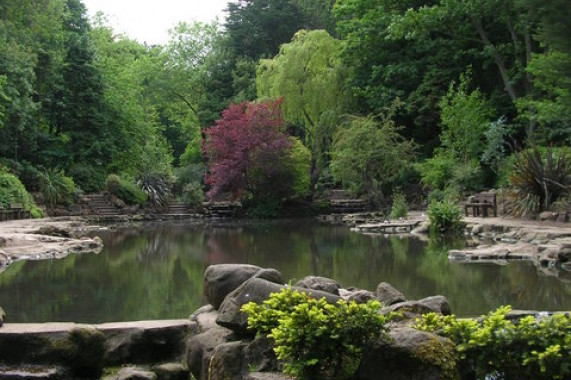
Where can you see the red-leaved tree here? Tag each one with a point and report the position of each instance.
(249, 152)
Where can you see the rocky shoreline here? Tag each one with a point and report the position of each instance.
(214, 342)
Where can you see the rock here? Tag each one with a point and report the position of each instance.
(54, 231)
(205, 317)
(200, 347)
(134, 373)
(2, 316)
(146, 341)
(388, 295)
(413, 309)
(563, 217)
(259, 355)
(171, 371)
(477, 229)
(409, 355)
(319, 283)
(437, 303)
(222, 279)
(564, 254)
(360, 296)
(422, 229)
(227, 362)
(548, 215)
(32, 372)
(267, 376)
(271, 275)
(255, 290)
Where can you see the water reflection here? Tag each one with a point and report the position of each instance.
(155, 271)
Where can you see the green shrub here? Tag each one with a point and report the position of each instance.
(539, 177)
(192, 194)
(56, 187)
(125, 190)
(88, 178)
(13, 191)
(495, 347)
(399, 208)
(314, 339)
(437, 171)
(444, 216)
(187, 174)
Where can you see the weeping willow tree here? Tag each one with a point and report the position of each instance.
(308, 75)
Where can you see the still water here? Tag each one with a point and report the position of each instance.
(155, 271)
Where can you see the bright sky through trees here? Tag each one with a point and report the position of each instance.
(149, 20)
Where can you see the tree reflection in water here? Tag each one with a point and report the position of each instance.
(155, 271)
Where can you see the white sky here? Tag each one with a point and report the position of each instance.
(149, 20)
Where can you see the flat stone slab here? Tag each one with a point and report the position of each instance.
(65, 327)
(124, 342)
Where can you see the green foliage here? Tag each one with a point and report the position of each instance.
(187, 174)
(465, 117)
(539, 177)
(192, 194)
(300, 160)
(436, 171)
(88, 178)
(369, 152)
(13, 191)
(156, 187)
(314, 339)
(498, 347)
(125, 190)
(444, 216)
(399, 208)
(56, 187)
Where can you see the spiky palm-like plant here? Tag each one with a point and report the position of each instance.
(538, 179)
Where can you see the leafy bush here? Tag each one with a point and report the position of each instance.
(444, 216)
(369, 152)
(125, 190)
(192, 194)
(399, 208)
(495, 347)
(13, 191)
(314, 339)
(56, 187)
(437, 171)
(539, 177)
(88, 178)
(187, 174)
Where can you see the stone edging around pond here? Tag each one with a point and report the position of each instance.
(495, 240)
(500, 242)
(214, 342)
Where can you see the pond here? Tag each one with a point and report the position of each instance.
(155, 271)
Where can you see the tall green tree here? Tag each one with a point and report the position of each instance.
(308, 75)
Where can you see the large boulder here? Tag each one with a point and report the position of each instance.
(388, 295)
(260, 356)
(255, 290)
(319, 283)
(227, 362)
(2, 316)
(409, 354)
(200, 348)
(222, 279)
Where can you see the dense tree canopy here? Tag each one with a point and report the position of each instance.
(478, 81)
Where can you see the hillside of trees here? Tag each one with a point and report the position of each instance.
(288, 99)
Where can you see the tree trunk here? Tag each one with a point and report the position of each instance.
(497, 58)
